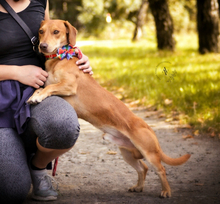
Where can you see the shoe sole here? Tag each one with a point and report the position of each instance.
(48, 198)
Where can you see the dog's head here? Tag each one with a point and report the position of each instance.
(53, 34)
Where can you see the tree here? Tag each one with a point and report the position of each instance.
(208, 25)
(66, 10)
(218, 6)
(141, 15)
(164, 24)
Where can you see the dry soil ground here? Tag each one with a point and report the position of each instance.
(89, 174)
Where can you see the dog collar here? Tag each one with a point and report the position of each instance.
(67, 51)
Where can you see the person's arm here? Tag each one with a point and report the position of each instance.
(84, 64)
(28, 74)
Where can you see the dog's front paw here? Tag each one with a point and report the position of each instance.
(165, 194)
(34, 100)
(136, 188)
(36, 97)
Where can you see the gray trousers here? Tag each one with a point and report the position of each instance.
(56, 125)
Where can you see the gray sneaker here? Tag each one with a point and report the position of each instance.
(42, 186)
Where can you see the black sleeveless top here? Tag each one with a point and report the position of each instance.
(16, 49)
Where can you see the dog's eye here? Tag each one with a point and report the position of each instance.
(41, 31)
(56, 31)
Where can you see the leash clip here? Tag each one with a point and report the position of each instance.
(34, 41)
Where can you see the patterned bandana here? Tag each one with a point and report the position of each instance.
(67, 51)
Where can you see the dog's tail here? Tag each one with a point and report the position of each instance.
(174, 161)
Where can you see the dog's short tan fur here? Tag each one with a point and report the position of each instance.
(94, 104)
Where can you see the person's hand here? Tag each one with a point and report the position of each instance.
(31, 75)
(84, 64)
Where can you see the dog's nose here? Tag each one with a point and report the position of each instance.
(43, 46)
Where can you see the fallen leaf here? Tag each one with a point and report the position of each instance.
(121, 89)
(213, 134)
(201, 120)
(147, 116)
(196, 133)
(161, 115)
(187, 136)
(176, 117)
(168, 101)
(187, 126)
(111, 152)
(82, 152)
(119, 96)
(169, 120)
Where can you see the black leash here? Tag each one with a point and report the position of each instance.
(34, 39)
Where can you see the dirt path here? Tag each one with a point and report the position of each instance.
(88, 174)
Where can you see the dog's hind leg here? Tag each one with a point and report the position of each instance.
(139, 166)
(156, 163)
(147, 144)
(132, 156)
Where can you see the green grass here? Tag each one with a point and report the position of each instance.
(136, 71)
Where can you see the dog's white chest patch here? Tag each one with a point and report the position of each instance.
(51, 79)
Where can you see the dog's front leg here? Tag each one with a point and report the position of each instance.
(59, 89)
(30, 100)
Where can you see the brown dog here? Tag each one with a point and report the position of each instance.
(135, 139)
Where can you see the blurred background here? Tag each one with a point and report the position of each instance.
(111, 19)
(157, 54)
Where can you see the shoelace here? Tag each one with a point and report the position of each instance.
(46, 182)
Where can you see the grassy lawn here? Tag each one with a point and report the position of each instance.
(185, 84)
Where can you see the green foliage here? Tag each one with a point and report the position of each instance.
(180, 16)
(124, 7)
(132, 70)
(66, 10)
(93, 13)
(185, 19)
(90, 16)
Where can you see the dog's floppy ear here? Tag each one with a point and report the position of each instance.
(71, 33)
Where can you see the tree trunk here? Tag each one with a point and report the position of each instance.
(218, 7)
(164, 24)
(208, 25)
(141, 15)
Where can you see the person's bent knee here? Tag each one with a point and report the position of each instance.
(55, 123)
(63, 134)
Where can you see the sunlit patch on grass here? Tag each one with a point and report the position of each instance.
(132, 67)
